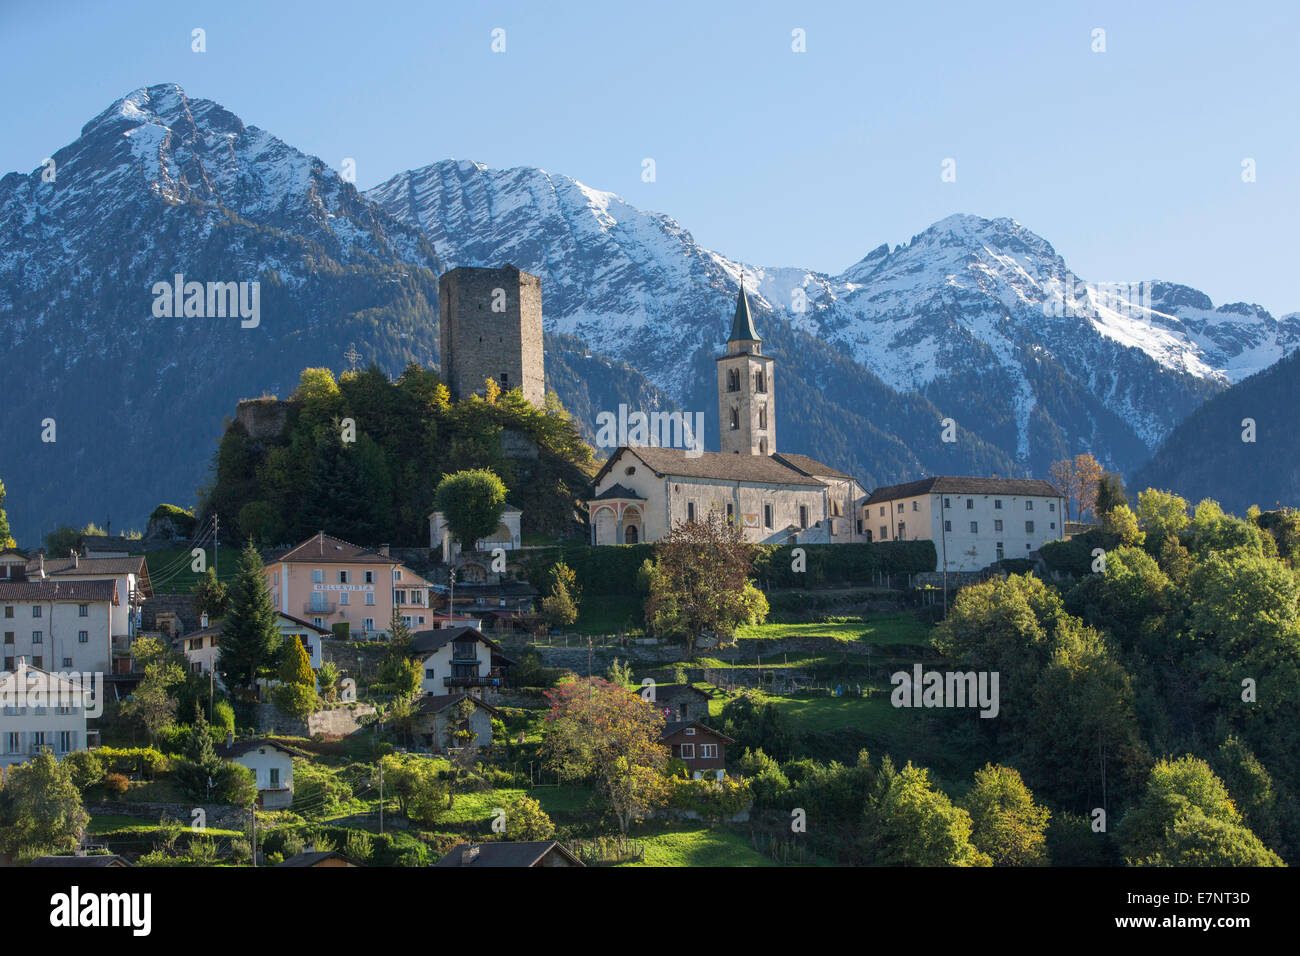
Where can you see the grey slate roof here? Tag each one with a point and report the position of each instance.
(957, 485)
(673, 726)
(437, 703)
(500, 853)
(426, 642)
(50, 590)
(810, 466)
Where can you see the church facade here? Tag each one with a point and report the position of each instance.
(642, 492)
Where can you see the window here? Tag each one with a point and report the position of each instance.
(690, 511)
(970, 503)
(370, 598)
(1029, 527)
(318, 621)
(836, 509)
(1029, 506)
(37, 637)
(860, 528)
(997, 504)
(36, 610)
(317, 576)
(902, 529)
(505, 381)
(397, 574)
(760, 381)
(67, 741)
(997, 524)
(275, 771)
(9, 663)
(343, 577)
(733, 379)
(762, 416)
(399, 597)
(417, 597)
(974, 527)
(916, 506)
(9, 637)
(1000, 554)
(735, 419)
(83, 610)
(688, 751)
(368, 624)
(803, 516)
(882, 511)
(67, 662)
(709, 751)
(345, 598)
(947, 502)
(9, 610)
(369, 577)
(730, 511)
(884, 532)
(767, 516)
(14, 743)
(83, 637)
(690, 731)
(1053, 525)
(1051, 506)
(947, 526)
(900, 507)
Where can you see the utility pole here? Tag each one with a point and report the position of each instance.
(381, 796)
(216, 550)
(211, 690)
(943, 532)
(252, 812)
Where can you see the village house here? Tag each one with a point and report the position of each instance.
(459, 657)
(681, 702)
(641, 492)
(201, 647)
(973, 522)
(505, 853)
(59, 625)
(320, 858)
(38, 710)
(434, 714)
(337, 585)
(702, 749)
(502, 605)
(272, 766)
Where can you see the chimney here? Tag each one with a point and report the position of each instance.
(42, 568)
(75, 562)
(383, 550)
(203, 620)
(469, 854)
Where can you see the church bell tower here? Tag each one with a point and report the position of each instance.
(746, 397)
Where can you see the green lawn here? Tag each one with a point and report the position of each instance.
(610, 614)
(698, 847)
(479, 807)
(895, 628)
(171, 569)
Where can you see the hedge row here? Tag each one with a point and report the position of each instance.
(612, 570)
(842, 564)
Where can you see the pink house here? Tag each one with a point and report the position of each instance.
(328, 581)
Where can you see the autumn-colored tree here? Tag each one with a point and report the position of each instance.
(701, 569)
(1005, 822)
(1078, 479)
(598, 732)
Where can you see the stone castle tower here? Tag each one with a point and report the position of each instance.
(490, 323)
(746, 397)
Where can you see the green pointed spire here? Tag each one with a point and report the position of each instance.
(742, 326)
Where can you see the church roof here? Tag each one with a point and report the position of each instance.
(716, 465)
(618, 491)
(810, 466)
(742, 326)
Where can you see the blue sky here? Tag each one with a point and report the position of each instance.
(1127, 161)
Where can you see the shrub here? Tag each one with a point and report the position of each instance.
(86, 768)
(116, 784)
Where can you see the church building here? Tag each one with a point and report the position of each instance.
(775, 498)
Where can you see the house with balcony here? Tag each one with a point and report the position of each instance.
(343, 587)
(501, 605)
(62, 625)
(272, 766)
(701, 748)
(459, 659)
(38, 710)
(131, 574)
(435, 715)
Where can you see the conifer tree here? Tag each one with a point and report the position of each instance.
(249, 634)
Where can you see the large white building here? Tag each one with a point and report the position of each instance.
(642, 492)
(973, 522)
(39, 710)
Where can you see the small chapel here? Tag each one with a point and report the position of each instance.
(775, 498)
